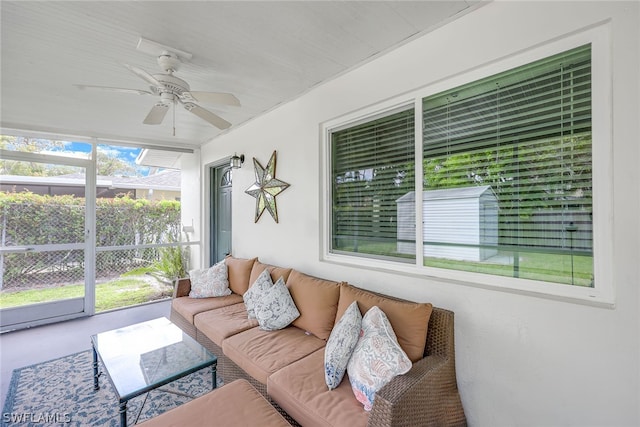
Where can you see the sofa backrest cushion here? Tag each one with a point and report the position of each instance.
(276, 272)
(239, 271)
(408, 319)
(317, 301)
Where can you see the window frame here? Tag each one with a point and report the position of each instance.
(603, 293)
(403, 107)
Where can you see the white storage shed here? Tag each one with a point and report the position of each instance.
(458, 223)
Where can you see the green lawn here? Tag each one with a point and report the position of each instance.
(535, 266)
(556, 268)
(123, 291)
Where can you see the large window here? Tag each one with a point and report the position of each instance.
(499, 169)
(372, 167)
(507, 173)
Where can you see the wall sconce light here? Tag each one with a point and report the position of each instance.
(237, 161)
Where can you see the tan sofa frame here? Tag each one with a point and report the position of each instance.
(427, 395)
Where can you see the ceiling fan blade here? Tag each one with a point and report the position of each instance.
(156, 115)
(143, 75)
(215, 97)
(114, 89)
(207, 115)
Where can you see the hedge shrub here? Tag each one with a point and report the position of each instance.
(31, 219)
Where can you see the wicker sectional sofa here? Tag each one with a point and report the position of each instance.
(287, 366)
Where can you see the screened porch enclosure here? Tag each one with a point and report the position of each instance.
(67, 248)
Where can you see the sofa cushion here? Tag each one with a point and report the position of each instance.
(377, 358)
(261, 353)
(275, 309)
(317, 300)
(210, 282)
(301, 391)
(258, 288)
(188, 307)
(408, 319)
(276, 272)
(224, 322)
(239, 273)
(237, 404)
(340, 345)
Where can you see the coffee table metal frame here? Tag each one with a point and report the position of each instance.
(124, 398)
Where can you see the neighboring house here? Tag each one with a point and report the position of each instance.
(164, 185)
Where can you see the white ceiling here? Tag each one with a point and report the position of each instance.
(264, 52)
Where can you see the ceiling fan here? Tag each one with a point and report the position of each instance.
(173, 90)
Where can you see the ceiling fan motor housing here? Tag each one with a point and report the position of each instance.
(171, 84)
(167, 98)
(168, 61)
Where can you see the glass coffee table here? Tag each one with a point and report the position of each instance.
(142, 357)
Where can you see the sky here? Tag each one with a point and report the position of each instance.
(126, 154)
(82, 150)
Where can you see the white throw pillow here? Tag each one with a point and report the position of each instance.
(377, 358)
(262, 284)
(340, 345)
(276, 309)
(210, 282)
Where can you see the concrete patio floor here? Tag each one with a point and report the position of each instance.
(34, 345)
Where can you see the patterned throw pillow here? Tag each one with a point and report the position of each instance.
(262, 284)
(276, 309)
(341, 344)
(377, 358)
(210, 282)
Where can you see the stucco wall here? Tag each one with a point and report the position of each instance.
(522, 360)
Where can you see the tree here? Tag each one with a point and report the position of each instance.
(542, 173)
(108, 162)
(110, 165)
(30, 145)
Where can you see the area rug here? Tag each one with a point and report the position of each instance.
(60, 392)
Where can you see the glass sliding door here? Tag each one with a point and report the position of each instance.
(43, 234)
(139, 248)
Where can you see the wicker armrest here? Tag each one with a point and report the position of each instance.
(427, 395)
(181, 287)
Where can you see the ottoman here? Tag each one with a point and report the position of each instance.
(234, 404)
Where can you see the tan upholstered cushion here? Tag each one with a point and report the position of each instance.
(224, 322)
(261, 353)
(408, 319)
(317, 302)
(300, 390)
(236, 404)
(239, 271)
(189, 307)
(276, 272)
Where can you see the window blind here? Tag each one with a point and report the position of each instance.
(526, 135)
(372, 166)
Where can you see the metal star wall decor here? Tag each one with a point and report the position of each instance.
(266, 188)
